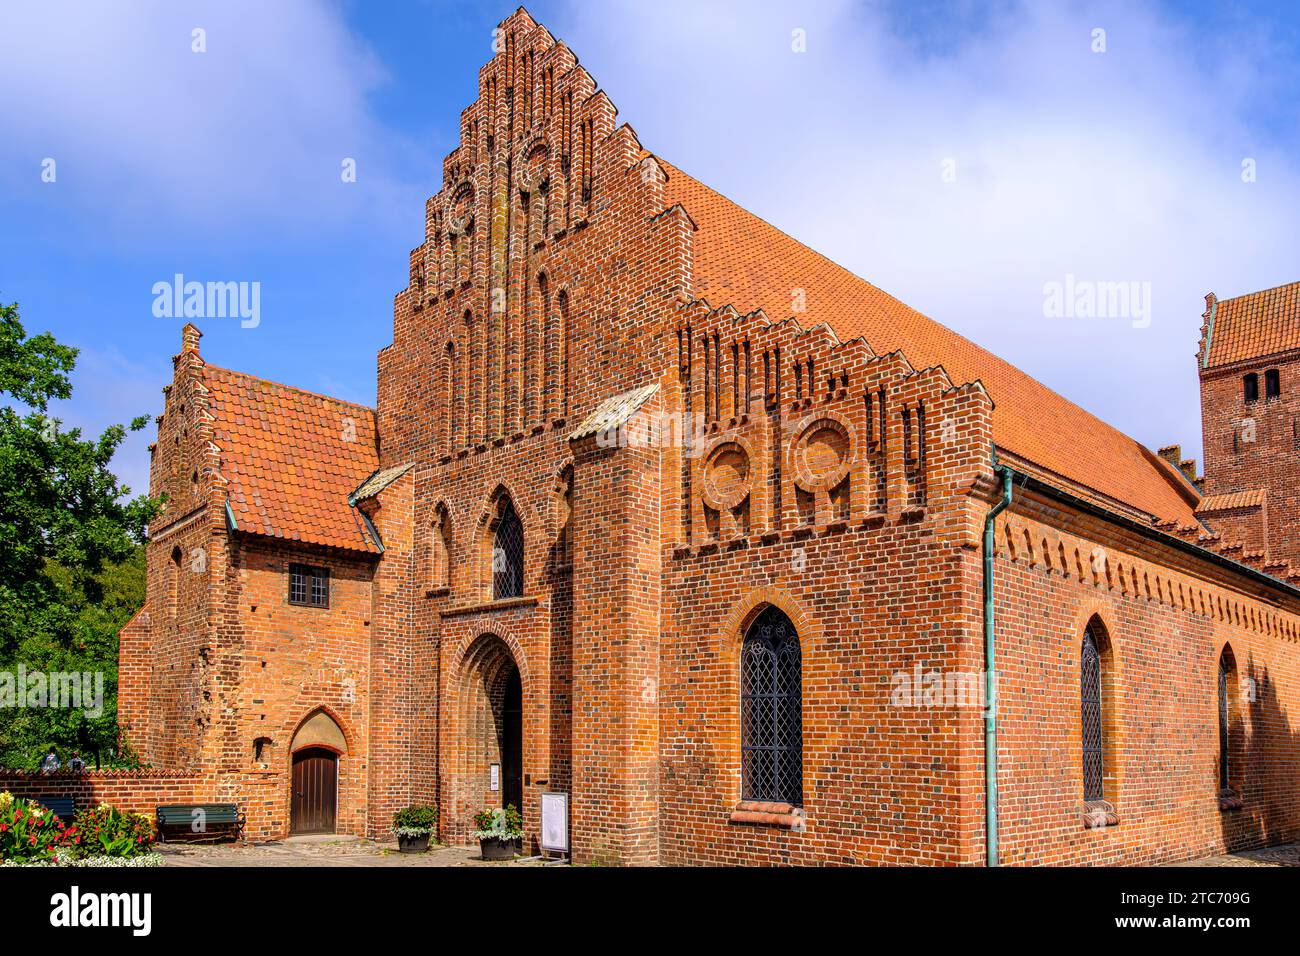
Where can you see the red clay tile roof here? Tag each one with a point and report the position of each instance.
(743, 261)
(1236, 499)
(291, 458)
(1255, 325)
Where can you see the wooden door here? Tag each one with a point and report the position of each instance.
(314, 802)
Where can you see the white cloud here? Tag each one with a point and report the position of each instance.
(152, 138)
(1117, 166)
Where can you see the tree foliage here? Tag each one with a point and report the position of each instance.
(71, 560)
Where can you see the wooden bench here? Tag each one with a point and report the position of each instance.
(200, 821)
(65, 808)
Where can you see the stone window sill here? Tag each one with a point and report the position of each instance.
(1099, 814)
(502, 605)
(1230, 799)
(760, 813)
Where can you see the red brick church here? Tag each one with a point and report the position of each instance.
(662, 510)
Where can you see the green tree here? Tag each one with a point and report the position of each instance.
(71, 562)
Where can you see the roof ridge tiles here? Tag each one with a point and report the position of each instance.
(1260, 292)
(292, 388)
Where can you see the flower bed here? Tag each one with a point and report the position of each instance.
(32, 835)
(144, 860)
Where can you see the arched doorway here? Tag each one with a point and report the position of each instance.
(491, 766)
(314, 780)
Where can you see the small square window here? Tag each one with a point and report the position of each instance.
(309, 586)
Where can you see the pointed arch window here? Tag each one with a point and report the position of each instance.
(1223, 721)
(1093, 732)
(508, 554)
(1229, 775)
(771, 719)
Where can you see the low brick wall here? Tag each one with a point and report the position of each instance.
(138, 790)
(263, 796)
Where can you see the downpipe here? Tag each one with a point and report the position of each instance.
(990, 681)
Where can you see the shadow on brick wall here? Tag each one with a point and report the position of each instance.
(1264, 768)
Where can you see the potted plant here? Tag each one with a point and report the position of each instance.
(414, 826)
(500, 833)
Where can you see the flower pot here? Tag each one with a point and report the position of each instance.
(498, 848)
(413, 844)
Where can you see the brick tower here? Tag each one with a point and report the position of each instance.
(1250, 411)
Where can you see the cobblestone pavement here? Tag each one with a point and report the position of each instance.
(320, 853)
(1287, 854)
(368, 853)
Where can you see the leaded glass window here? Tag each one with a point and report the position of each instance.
(771, 722)
(1090, 678)
(508, 555)
(1223, 721)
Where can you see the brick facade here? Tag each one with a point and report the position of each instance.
(678, 465)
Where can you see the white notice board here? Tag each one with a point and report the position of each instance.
(555, 822)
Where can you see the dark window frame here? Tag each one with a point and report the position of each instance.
(1092, 726)
(508, 554)
(771, 711)
(1250, 388)
(1273, 383)
(1224, 728)
(313, 584)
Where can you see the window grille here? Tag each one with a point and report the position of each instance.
(1223, 723)
(1090, 674)
(508, 555)
(770, 708)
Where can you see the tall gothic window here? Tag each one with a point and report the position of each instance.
(508, 554)
(1272, 383)
(1250, 387)
(771, 722)
(1227, 678)
(1093, 742)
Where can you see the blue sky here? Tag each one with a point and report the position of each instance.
(1122, 165)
